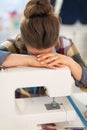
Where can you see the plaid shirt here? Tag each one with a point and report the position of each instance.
(66, 47)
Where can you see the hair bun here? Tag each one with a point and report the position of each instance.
(37, 8)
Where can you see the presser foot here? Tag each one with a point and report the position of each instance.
(52, 106)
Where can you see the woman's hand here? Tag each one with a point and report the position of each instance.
(32, 61)
(54, 60)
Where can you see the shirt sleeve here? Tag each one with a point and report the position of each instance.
(83, 82)
(6, 48)
(3, 56)
(74, 53)
(84, 75)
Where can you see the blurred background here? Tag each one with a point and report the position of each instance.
(10, 15)
(72, 12)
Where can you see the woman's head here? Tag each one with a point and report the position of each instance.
(40, 26)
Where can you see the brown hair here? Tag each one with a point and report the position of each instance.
(40, 27)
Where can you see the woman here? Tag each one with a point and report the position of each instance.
(39, 43)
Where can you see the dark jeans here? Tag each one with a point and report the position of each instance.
(74, 10)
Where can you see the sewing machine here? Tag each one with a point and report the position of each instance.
(30, 113)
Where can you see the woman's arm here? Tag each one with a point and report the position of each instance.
(75, 64)
(14, 60)
(55, 60)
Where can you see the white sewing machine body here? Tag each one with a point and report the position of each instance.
(29, 113)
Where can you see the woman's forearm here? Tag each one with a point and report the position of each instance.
(76, 70)
(15, 60)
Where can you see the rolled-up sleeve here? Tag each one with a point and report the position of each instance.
(3, 56)
(6, 48)
(84, 74)
(83, 82)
